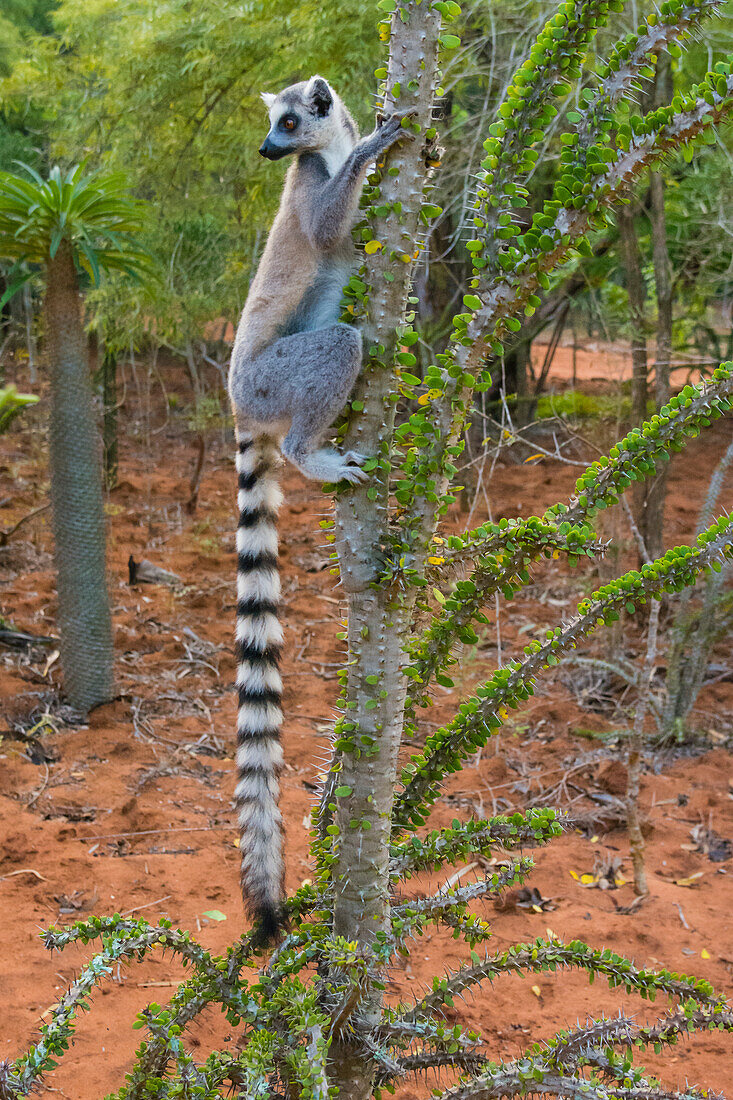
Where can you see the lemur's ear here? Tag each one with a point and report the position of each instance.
(319, 95)
(268, 99)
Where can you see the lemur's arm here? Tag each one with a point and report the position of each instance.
(330, 219)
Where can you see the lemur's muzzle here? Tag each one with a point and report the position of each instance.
(271, 151)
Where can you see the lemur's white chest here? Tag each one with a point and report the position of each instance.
(337, 153)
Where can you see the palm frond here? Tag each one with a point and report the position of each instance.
(93, 211)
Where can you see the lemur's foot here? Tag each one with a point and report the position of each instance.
(351, 470)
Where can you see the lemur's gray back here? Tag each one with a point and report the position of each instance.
(293, 367)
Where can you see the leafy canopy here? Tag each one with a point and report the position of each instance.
(93, 212)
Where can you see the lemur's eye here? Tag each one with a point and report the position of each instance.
(289, 122)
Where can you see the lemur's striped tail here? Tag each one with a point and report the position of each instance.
(259, 641)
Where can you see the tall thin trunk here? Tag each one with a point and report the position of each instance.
(663, 91)
(636, 748)
(526, 401)
(657, 488)
(109, 418)
(379, 615)
(76, 495)
(663, 284)
(198, 469)
(691, 637)
(637, 297)
(193, 371)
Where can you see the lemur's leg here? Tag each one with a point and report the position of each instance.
(325, 384)
(333, 215)
(303, 381)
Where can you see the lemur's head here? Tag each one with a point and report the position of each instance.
(305, 116)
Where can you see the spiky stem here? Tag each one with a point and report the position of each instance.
(365, 760)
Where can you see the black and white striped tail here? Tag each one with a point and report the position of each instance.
(259, 642)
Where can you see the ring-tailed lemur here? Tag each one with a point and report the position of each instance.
(292, 369)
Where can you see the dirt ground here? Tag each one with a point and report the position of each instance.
(133, 813)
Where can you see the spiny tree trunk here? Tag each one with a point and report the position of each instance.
(692, 635)
(637, 297)
(76, 495)
(657, 491)
(379, 615)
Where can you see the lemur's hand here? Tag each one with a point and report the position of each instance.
(388, 132)
(351, 470)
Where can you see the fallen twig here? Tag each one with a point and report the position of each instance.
(17, 639)
(148, 905)
(32, 801)
(5, 536)
(23, 871)
(144, 572)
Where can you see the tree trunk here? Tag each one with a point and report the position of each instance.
(692, 636)
(109, 424)
(379, 616)
(526, 402)
(76, 495)
(636, 748)
(657, 489)
(637, 295)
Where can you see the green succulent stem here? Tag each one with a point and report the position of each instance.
(557, 232)
(481, 715)
(543, 956)
(444, 847)
(503, 552)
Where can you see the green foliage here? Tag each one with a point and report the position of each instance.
(207, 413)
(635, 457)
(511, 685)
(575, 405)
(21, 127)
(290, 1022)
(12, 404)
(93, 212)
(172, 99)
(452, 845)
(195, 278)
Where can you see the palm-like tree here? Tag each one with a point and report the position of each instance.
(74, 220)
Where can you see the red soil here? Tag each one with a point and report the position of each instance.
(594, 362)
(133, 812)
